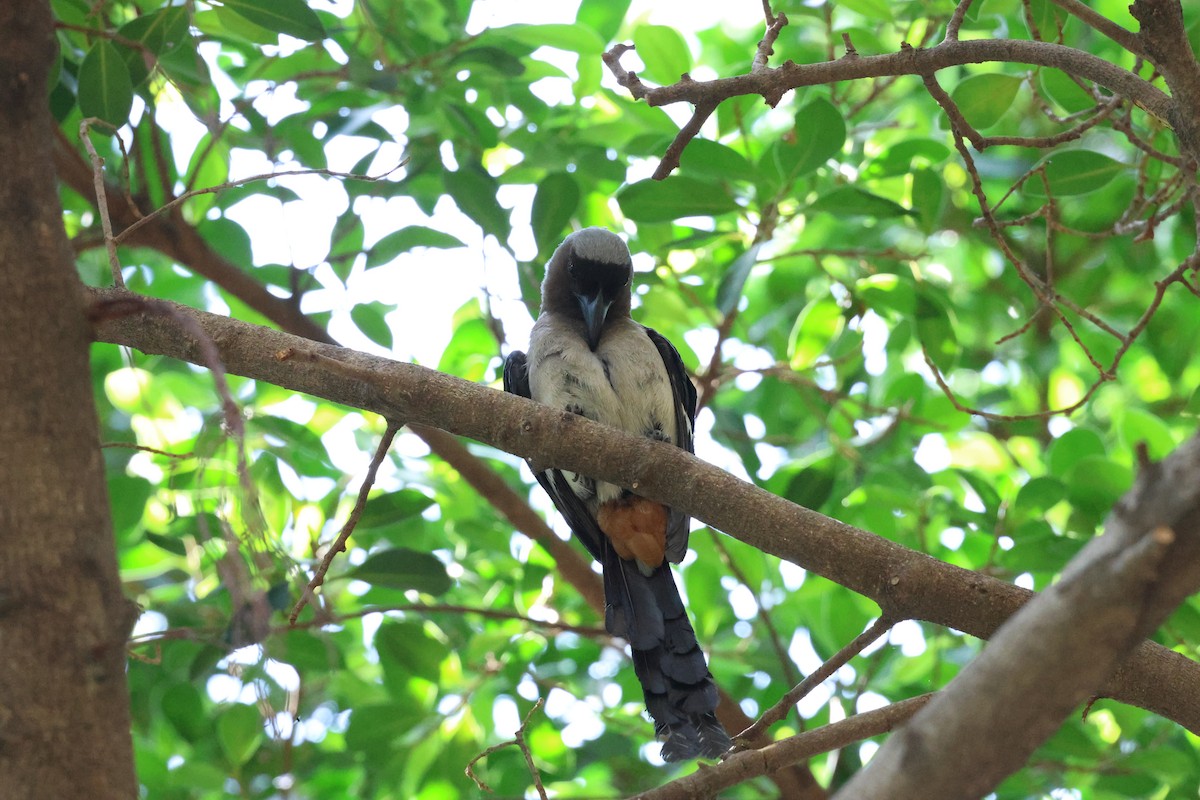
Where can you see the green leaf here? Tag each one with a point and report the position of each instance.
(158, 31)
(1139, 427)
(208, 167)
(1075, 172)
(291, 17)
(886, 292)
(572, 38)
(393, 507)
(1063, 90)
(928, 197)
(402, 568)
(934, 322)
(406, 239)
(1037, 497)
(983, 99)
(900, 158)
(168, 543)
(602, 16)
(409, 646)
(817, 326)
(373, 728)
(240, 731)
(554, 204)
(707, 159)
(184, 709)
(474, 191)
(1094, 484)
(105, 88)
(850, 201)
(871, 9)
(729, 292)
(128, 495)
(470, 350)
(663, 51)
(818, 136)
(369, 318)
(677, 196)
(1072, 447)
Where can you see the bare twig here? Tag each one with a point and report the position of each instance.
(819, 676)
(266, 176)
(518, 740)
(339, 544)
(85, 133)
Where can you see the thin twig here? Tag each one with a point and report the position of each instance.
(339, 545)
(518, 740)
(819, 676)
(266, 176)
(85, 133)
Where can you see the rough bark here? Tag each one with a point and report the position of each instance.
(64, 705)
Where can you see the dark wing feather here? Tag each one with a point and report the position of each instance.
(580, 520)
(685, 419)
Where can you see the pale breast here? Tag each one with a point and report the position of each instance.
(623, 384)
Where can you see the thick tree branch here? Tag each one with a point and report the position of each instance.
(906, 584)
(1057, 650)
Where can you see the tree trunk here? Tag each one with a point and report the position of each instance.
(64, 704)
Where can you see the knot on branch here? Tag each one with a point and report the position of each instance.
(627, 78)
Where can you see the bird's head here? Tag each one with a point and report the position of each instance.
(588, 276)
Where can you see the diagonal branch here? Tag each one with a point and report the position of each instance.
(905, 583)
(1057, 651)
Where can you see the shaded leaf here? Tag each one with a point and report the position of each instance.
(239, 731)
(393, 507)
(1075, 172)
(554, 204)
(402, 568)
(105, 88)
(292, 17)
(677, 196)
(983, 99)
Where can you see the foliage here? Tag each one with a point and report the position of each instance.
(826, 247)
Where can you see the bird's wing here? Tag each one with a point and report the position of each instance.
(557, 486)
(685, 418)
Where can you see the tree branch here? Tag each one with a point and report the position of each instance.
(1059, 649)
(906, 584)
(772, 83)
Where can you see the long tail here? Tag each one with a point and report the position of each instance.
(681, 697)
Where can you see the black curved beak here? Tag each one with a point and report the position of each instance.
(595, 310)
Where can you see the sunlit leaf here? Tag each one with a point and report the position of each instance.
(371, 320)
(984, 99)
(664, 52)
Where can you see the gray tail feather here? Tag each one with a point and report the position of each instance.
(680, 694)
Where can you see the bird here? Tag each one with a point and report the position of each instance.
(587, 356)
